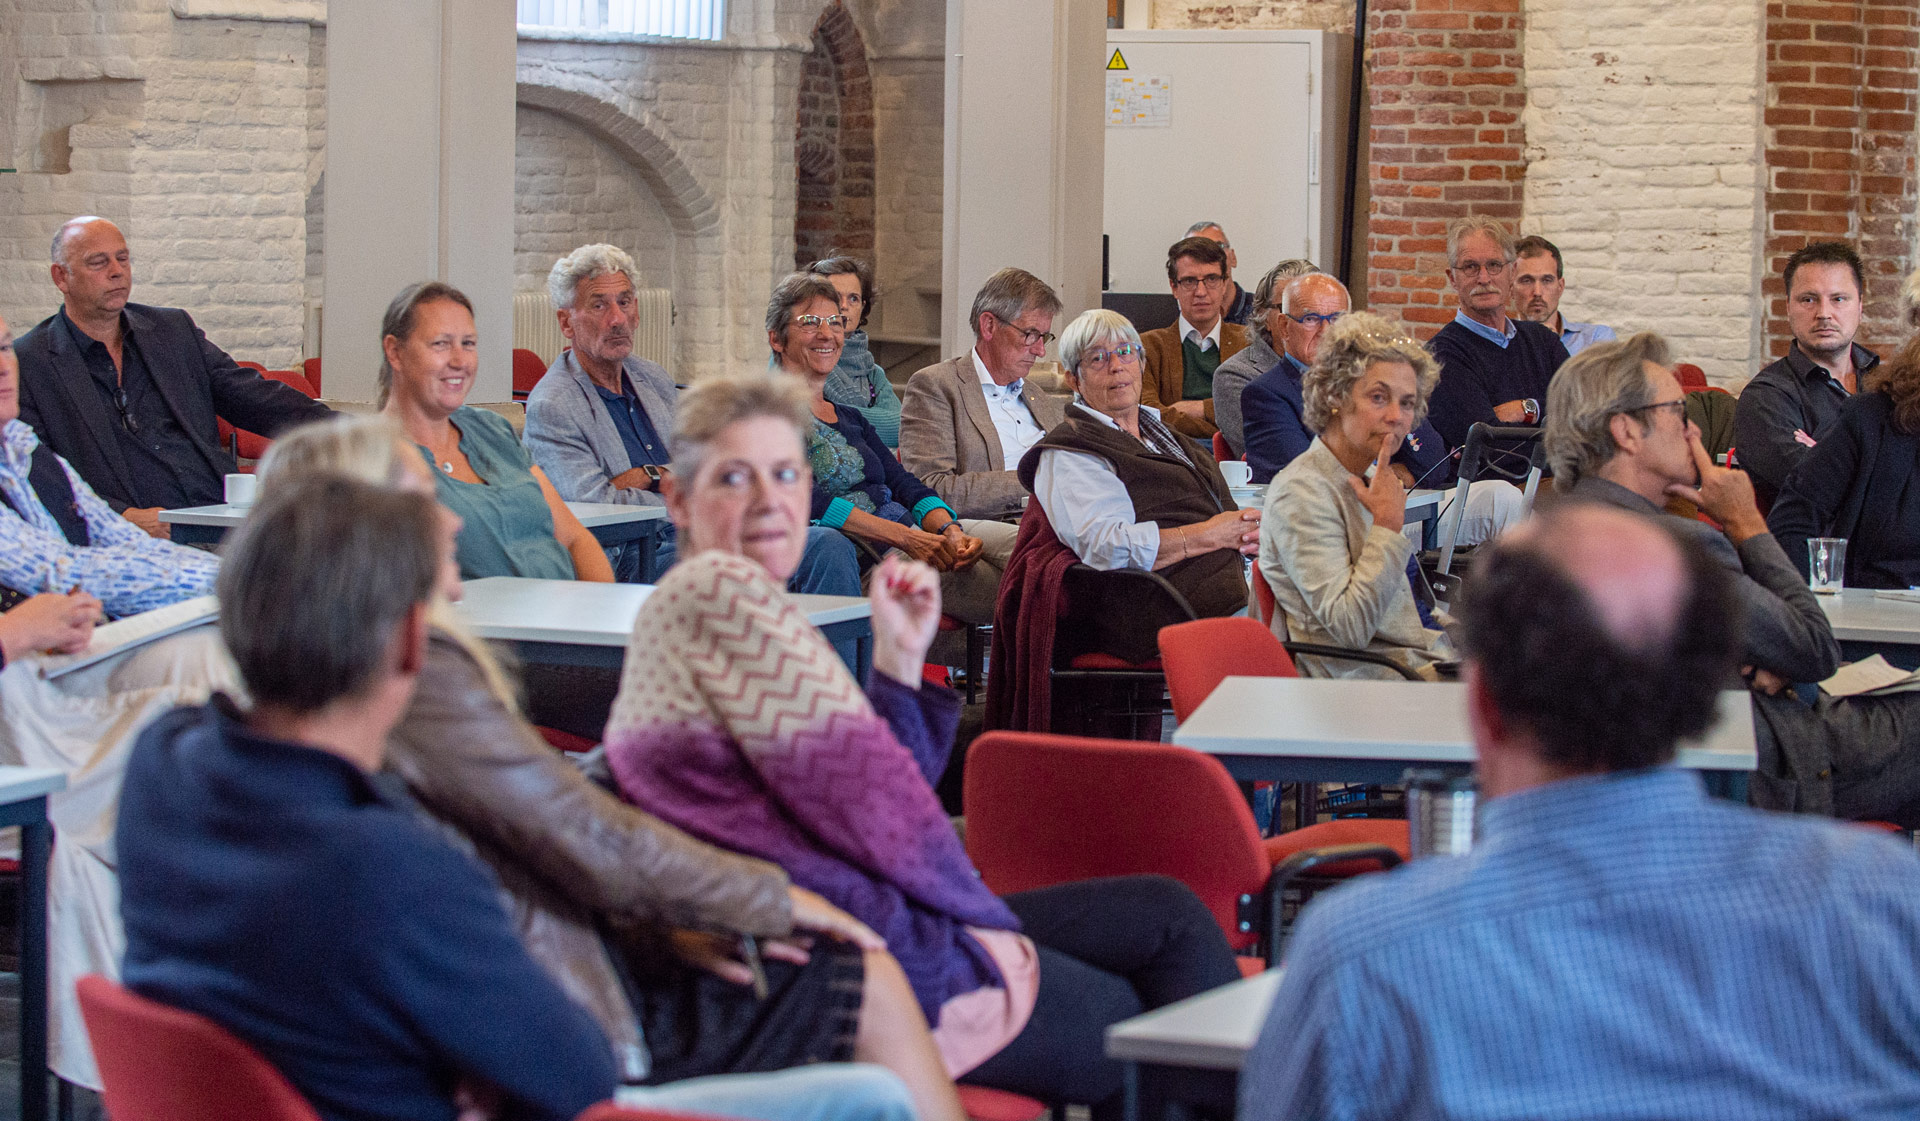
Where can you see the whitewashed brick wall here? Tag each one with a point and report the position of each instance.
(1644, 146)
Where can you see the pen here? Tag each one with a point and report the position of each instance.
(750, 952)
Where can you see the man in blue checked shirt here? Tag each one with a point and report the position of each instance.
(1617, 945)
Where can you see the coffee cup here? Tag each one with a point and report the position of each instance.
(242, 490)
(1238, 472)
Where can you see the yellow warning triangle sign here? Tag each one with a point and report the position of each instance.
(1116, 62)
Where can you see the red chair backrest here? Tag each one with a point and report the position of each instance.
(1046, 809)
(1691, 377)
(1198, 656)
(251, 446)
(608, 1111)
(1263, 605)
(160, 1063)
(1222, 451)
(528, 369)
(311, 368)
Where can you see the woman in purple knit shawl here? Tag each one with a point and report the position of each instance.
(737, 723)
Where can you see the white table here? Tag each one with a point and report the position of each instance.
(1316, 729)
(575, 622)
(23, 802)
(1191, 1051)
(610, 523)
(1862, 615)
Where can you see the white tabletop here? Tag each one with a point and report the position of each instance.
(1862, 615)
(1414, 722)
(1214, 1030)
(17, 784)
(582, 613)
(591, 514)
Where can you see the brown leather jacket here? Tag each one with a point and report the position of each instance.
(571, 855)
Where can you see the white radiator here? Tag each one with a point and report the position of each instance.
(536, 328)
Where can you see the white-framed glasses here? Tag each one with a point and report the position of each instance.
(1101, 359)
(807, 322)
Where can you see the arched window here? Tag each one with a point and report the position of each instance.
(675, 19)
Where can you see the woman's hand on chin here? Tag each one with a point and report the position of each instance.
(906, 615)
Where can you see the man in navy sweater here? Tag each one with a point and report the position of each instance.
(274, 883)
(1492, 368)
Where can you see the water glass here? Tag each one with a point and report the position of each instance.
(1826, 564)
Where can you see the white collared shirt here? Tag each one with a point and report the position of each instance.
(1090, 509)
(1012, 419)
(1191, 334)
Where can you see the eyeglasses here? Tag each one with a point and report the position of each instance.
(1679, 407)
(1100, 359)
(805, 322)
(1187, 284)
(1481, 268)
(1028, 336)
(126, 415)
(1314, 322)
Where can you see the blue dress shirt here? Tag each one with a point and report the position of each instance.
(1615, 947)
(637, 433)
(1271, 413)
(1577, 337)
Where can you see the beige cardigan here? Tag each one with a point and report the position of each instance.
(1336, 577)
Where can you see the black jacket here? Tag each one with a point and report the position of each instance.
(1859, 483)
(1793, 393)
(200, 383)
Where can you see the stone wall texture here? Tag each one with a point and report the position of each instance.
(1643, 147)
(1840, 148)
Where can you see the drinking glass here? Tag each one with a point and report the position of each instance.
(1826, 564)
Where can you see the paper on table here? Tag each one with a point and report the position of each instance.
(134, 630)
(1865, 676)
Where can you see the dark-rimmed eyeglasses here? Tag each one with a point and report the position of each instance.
(1679, 407)
(1314, 320)
(126, 414)
(1028, 336)
(1187, 284)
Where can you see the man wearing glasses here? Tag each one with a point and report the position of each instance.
(132, 395)
(1492, 368)
(1237, 306)
(965, 423)
(1181, 359)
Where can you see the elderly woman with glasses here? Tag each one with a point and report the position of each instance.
(859, 486)
(1331, 546)
(1123, 490)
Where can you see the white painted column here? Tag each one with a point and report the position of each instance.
(1026, 151)
(419, 176)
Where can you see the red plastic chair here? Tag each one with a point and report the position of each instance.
(608, 1111)
(160, 1063)
(1691, 377)
(311, 368)
(1047, 809)
(528, 369)
(1198, 656)
(984, 1103)
(247, 445)
(1222, 451)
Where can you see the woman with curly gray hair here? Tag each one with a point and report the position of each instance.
(1331, 545)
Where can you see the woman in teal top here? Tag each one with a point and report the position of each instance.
(513, 521)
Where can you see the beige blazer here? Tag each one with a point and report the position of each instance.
(947, 438)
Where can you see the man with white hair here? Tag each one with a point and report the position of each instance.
(131, 395)
(598, 422)
(1492, 368)
(1238, 308)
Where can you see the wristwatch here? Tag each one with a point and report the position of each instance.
(652, 473)
(1533, 410)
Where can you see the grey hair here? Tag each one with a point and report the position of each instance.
(1590, 389)
(585, 263)
(65, 233)
(1460, 228)
(1209, 224)
(1011, 293)
(314, 582)
(794, 289)
(1910, 298)
(1270, 285)
(1348, 351)
(1091, 327)
(714, 404)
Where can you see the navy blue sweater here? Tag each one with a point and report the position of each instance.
(1476, 375)
(273, 889)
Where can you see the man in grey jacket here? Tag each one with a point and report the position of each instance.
(1617, 433)
(599, 421)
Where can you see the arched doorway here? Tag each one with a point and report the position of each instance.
(833, 144)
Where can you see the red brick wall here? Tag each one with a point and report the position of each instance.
(833, 144)
(1446, 96)
(1840, 148)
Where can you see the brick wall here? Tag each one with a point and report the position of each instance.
(1322, 15)
(1839, 158)
(833, 144)
(1644, 146)
(1446, 98)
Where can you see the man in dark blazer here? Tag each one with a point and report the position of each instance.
(131, 395)
(965, 423)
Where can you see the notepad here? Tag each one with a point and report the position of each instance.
(134, 630)
(1869, 675)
